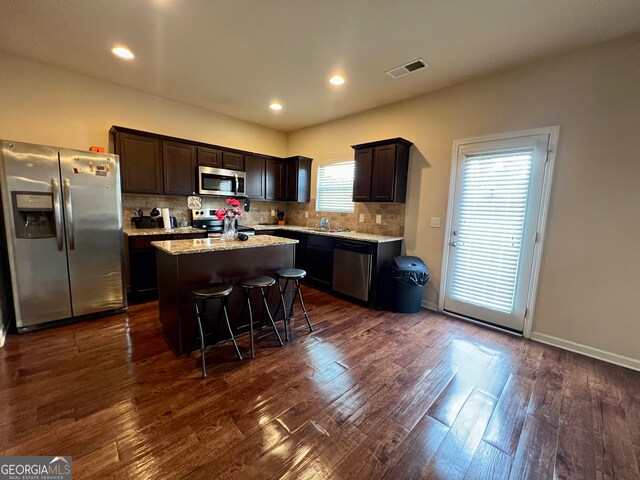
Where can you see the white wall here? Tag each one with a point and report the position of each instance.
(46, 105)
(590, 277)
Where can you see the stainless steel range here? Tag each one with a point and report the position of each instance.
(206, 219)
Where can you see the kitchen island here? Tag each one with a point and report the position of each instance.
(184, 265)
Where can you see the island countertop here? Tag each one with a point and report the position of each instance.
(139, 232)
(203, 245)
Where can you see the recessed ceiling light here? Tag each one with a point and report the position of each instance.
(275, 106)
(336, 80)
(123, 52)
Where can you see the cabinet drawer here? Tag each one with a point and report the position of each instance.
(137, 243)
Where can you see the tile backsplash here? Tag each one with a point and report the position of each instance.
(392, 213)
(260, 212)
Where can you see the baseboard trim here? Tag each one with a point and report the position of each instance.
(592, 352)
(429, 305)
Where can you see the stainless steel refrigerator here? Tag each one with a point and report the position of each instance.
(63, 224)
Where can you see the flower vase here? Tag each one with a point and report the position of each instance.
(229, 231)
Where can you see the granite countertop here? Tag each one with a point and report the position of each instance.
(135, 232)
(363, 237)
(203, 245)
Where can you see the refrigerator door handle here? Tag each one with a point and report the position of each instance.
(71, 239)
(57, 213)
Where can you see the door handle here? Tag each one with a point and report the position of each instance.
(71, 239)
(57, 213)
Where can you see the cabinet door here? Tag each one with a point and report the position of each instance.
(304, 180)
(274, 173)
(291, 179)
(297, 179)
(209, 157)
(233, 161)
(383, 175)
(319, 263)
(179, 168)
(140, 163)
(362, 175)
(254, 184)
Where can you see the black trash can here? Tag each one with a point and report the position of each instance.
(410, 275)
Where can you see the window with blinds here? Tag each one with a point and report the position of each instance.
(335, 187)
(493, 198)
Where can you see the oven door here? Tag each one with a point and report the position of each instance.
(221, 182)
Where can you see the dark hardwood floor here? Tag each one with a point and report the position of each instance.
(369, 394)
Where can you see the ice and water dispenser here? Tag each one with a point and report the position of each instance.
(33, 214)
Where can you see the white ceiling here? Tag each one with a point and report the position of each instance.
(237, 56)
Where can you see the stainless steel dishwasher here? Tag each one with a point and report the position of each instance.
(352, 268)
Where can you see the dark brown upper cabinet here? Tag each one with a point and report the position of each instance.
(209, 157)
(159, 164)
(140, 162)
(298, 179)
(255, 176)
(274, 179)
(362, 175)
(233, 161)
(381, 170)
(179, 161)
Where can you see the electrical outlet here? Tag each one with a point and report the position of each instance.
(361, 218)
(378, 218)
(273, 213)
(436, 222)
(306, 214)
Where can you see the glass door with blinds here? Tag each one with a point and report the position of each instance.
(497, 203)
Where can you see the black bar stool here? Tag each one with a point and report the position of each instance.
(213, 291)
(295, 275)
(264, 283)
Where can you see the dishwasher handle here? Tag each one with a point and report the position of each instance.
(358, 247)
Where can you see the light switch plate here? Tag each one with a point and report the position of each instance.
(361, 217)
(306, 214)
(378, 218)
(436, 222)
(273, 213)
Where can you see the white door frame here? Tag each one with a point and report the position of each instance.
(553, 133)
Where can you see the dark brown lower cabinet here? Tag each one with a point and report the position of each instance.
(314, 254)
(320, 260)
(301, 246)
(143, 271)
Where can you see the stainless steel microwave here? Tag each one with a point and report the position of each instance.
(221, 182)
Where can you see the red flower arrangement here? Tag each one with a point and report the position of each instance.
(233, 212)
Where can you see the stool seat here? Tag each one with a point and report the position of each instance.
(258, 281)
(264, 283)
(214, 290)
(291, 273)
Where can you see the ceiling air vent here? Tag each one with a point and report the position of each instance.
(407, 68)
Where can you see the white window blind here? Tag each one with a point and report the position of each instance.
(335, 187)
(494, 192)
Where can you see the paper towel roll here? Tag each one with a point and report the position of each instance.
(166, 219)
